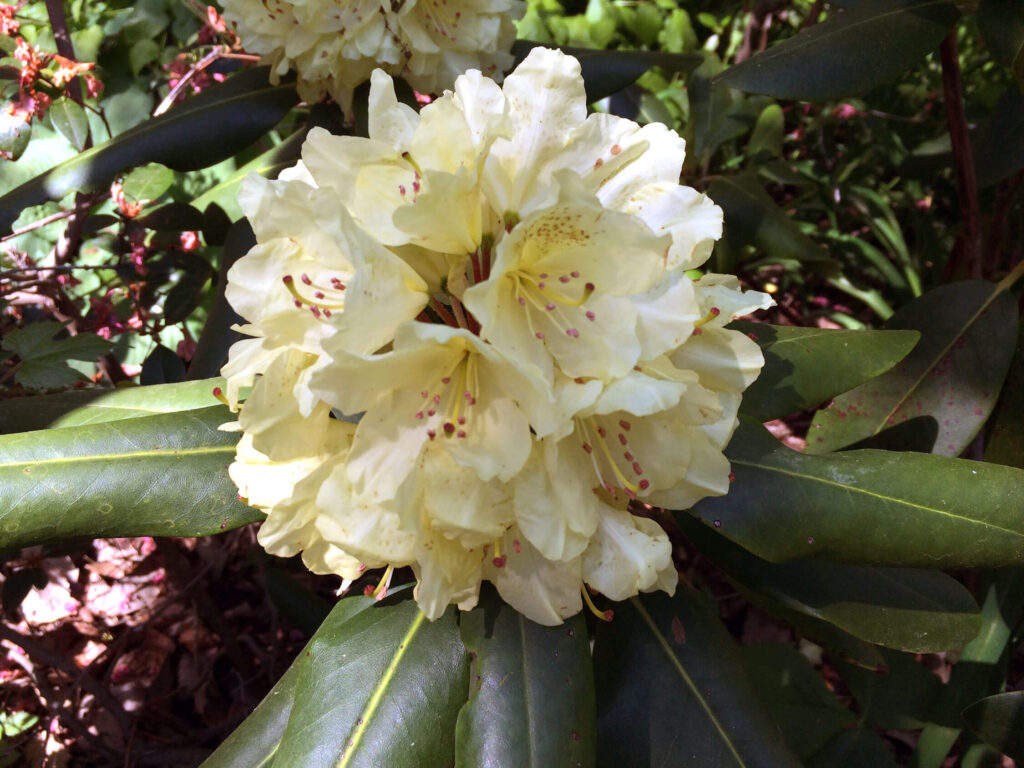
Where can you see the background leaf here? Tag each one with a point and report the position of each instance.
(160, 475)
(869, 44)
(1005, 444)
(382, 686)
(952, 377)
(1001, 23)
(868, 507)
(804, 367)
(999, 720)
(147, 182)
(44, 360)
(69, 119)
(671, 690)
(532, 700)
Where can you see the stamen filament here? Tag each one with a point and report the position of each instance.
(602, 615)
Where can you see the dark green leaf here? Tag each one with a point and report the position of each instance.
(79, 407)
(921, 611)
(980, 670)
(900, 695)
(1005, 443)
(671, 690)
(998, 144)
(856, 749)
(532, 701)
(173, 217)
(769, 131)
(382, 687)
(754, 217)
(204, 130)
(950, 381)
(1001, 23)
(867, 45)
(806, 713)
(69, 119)
(804, 367)
(254, 742)
(868, 507)
(999, 720)
(302, 607)
(155, 476)
(148, 182)
(44, 361)
(162, 366)
(608, 72)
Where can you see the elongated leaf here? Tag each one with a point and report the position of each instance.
(804, 367)
(794, 695)
(901, 695)
(532, 702)
(1005, 444)
(382, 687)
(855, 749)
(999, 720)
(998, 143)
(160, 475)
(981, 669)
(202, 131)
(608, 72)
(671, 691)
(868, 507)
(1001, 23)
(78, 407)
(867, 45)
(754, 217)
(921, 611)
(952, 377)
(254, 742)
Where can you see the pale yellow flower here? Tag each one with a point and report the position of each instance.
(335, 44)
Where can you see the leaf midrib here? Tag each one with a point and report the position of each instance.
(173, 453)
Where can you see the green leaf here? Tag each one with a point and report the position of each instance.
(752, 215)
(78, 407)
(173, 217)
(44, 361)
(805, 367)
(1005, 443)
(999, 720)
(532, 702)
(948, 384)
(981, 669)
(160, 475)
(162, 366)
(204, 130)
(769, 131)
(142, 53)
(70, 120)
(868, 507)
(148, 182)
(380, 687)
(794, 695)
(870, 44)
(671, 690)
(921, 611)
(901, 695)
(856, 749)
(1001, 23)
(14, 134)
(608, 72)
(998, 143)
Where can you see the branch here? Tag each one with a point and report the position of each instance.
(966, 180)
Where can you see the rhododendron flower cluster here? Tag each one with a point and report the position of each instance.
(477, 349)
(335, 45)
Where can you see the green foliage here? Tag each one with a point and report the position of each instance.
(44, 361)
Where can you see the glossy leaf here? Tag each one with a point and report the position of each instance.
(980, 670)
(868, 507)
(608, 72)
(804, 367)
(254, 742)
(951, 379)
(531, 704)
(204, 130)
(921, 611)
(999, 720)
(871, 43)
(1005, 443)
(671, 690)
(160, 475)
(754, 217)
(78, 407)
(380, 687)
(69, 119)
(794, 695)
